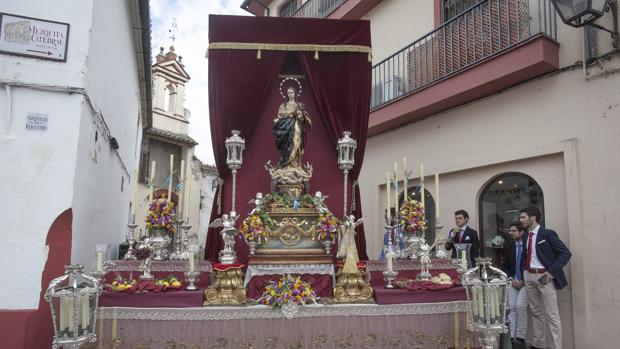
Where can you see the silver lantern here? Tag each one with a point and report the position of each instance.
(346, 160)
(73, 300)
(234, 158)
(487, 293)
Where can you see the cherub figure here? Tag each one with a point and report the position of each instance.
(229, 231)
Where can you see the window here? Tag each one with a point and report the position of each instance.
(452, 8)
(413, 192)
(287, 8)
(501, 200)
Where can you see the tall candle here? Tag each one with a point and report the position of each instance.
(182, 190)
(405, 184)
(72, 324)
(99, 261)
(84, 310)
(396, 188)
(437, 195)
(474, 301)
(191, 262)
(65, 313)
(496, 301)
(493, 305)
(170, 182)
(422, 184)
(133, 192)
(480, 302)
(188, 195)
(388, 259)
(389, 215)
(151, 179)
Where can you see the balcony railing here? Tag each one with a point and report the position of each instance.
(483, 31)
(317, 8)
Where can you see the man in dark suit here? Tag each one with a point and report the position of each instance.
(545, 257)
(517, 293)
(463, 234)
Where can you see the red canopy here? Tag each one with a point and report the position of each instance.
(243, 95)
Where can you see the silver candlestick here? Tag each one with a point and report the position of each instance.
(192, 278)
(389, 276)
(177, 254)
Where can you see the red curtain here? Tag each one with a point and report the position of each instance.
(243, 90)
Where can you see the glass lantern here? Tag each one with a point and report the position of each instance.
(578, 13)
(487, 294)
(346, 151)
(463, 252)
(73, 300)
(234, 150)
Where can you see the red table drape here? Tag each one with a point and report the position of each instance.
(243, 95)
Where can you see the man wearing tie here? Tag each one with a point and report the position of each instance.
(463, 234)
(517, 294)
(545, 257)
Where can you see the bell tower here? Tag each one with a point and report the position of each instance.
(169, 78)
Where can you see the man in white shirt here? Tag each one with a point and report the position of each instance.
(545, 257)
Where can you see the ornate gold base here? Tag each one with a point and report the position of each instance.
(227, 289)
(352, 288)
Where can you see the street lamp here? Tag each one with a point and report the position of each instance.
(73, 300)
(234, 158)
(487, 293)
(346, 160)
(578, 13)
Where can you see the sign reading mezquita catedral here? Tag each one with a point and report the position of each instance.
(25, 36)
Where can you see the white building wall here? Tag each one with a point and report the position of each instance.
(36, 181)
(38, 167)
(103, 186)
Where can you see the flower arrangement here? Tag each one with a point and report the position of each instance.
(327, 226)
(161, 215)
(412, 217)
(288, 290)
(253, 229)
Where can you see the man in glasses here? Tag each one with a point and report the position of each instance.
(517, 294)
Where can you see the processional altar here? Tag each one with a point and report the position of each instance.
(293, 83)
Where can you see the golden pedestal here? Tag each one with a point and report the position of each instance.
(227, 288)
(352, 287)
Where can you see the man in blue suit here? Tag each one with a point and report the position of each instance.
(463, 234)
(545, 256)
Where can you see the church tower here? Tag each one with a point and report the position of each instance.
(169, 78)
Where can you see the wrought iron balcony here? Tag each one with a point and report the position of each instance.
(483, 31)
(314, 9)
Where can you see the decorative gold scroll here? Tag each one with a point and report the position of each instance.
(289, 47)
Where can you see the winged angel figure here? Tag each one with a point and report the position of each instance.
(229, 231)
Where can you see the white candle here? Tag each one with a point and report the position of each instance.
(180, 197)
(170, 183)
(405, 184)
(99, 261)
(84, 307)
(422, 183)
(389, 215)
(191, 262)
(65, 312)
(474, 301)
(151, 179)
(133, 192)
(188, 196)
(388, 259)
(437, 195)
(396, 188)
(72, 324)
(480, 302)
(463, 254)
(496, 301)
(492, 303)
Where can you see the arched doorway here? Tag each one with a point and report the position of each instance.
(500, 201)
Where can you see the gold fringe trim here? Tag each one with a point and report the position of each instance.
(289, 47)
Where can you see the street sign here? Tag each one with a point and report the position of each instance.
(32, 37)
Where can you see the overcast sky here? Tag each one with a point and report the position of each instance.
(192, 39)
